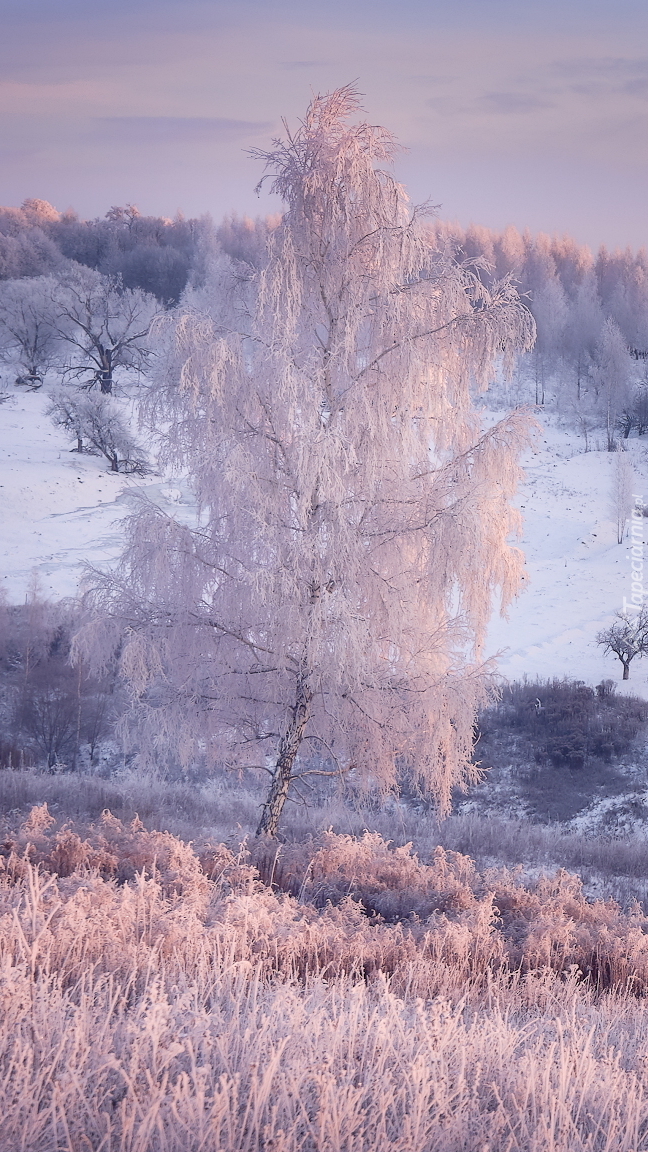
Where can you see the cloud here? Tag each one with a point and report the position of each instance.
(638, 87)
(603, 66)
(605, 75)
(512, 102)
(293, 65)
(177, 129)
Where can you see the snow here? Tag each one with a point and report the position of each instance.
(60, 511)
(577, 573)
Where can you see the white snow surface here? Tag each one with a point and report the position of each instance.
(577, 575)
(60, 511)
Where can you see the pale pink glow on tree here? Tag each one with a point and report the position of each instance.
(328, 613)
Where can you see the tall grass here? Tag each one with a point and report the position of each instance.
(339, 994)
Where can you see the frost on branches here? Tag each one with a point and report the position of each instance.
(328, 613)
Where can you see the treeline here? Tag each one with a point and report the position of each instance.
(589, 362)
(152, 253)
(590, 359)
(158, 255)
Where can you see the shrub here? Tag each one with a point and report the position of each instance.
(97, 425)
(48, 708)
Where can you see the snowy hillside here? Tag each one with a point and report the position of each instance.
(578, 575)
(60, 510)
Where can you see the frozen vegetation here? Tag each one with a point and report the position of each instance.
(341, 995)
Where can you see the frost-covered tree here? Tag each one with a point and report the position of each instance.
(328, 612)
(550, 313)
(28, 331)
(623, 483)
(97, 425)
(627, 637)
(611, 374)
(584, 323)
(104, 325)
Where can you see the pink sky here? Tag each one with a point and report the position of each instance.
(512, 112)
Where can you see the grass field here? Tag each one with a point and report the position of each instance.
(333, 993)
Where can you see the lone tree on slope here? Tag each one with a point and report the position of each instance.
(627, 637)
(328, 613)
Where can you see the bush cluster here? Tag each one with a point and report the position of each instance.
(567, 723)
(340, 903)
(50, 711)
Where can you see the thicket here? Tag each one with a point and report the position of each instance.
(159, 996)
(566, 722)
(52, 713)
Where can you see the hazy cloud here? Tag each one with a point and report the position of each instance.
(607, 66)
(508, 102)
(605, 75)
(177, 129)
(293, 65)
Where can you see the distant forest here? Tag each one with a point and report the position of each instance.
(154, 253)
(590, 359)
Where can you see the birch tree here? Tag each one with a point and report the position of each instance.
(328, 613)
(623, 483)
(611, 375)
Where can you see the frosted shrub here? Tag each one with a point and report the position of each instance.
(96, 423)
(359, 905)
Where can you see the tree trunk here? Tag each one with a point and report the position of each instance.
(288, 749)
(106, 370)
(626, 669)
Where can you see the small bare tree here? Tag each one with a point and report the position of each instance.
(328, 613)
(626, 638)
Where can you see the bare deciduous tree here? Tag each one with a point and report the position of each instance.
(328, 612)
(105, 325)
(627, 637)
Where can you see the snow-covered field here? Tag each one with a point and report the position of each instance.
(60, 510)
(578, 575)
